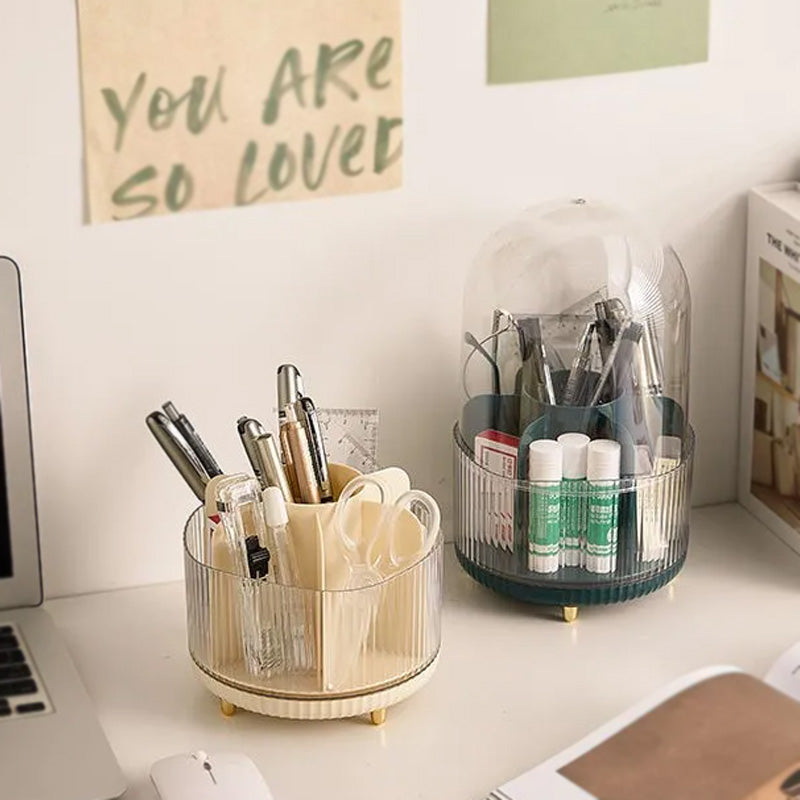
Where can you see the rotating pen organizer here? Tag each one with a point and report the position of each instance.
(573, 454)
(358, 633)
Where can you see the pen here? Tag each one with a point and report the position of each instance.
(178, 452)
(651, 366)
(619, 365)
(270, 461)
(192, 439)
(249, 430)
(576, 381)
(605, 332)
(290, 388)
(294, 443)
(263, 456)
(313, 431)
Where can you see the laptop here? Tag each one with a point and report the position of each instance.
(51, 742)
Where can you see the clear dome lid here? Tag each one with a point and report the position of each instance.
(576, 305)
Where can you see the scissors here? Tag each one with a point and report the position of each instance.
(372, 543)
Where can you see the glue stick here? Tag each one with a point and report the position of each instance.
(544, 522)
(574, 512)
(602, 475)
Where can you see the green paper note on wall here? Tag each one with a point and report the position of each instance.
(533, 40)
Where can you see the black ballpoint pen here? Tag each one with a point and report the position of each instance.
(318, 456)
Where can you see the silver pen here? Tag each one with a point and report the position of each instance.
(576, 381)
(290, 388)
(262, 453)
(192, 438)
(270, 461)
(179, 452)
(249, 430)
(316, 443)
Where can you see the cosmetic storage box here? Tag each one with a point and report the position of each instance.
(573, 453)
(328, 647)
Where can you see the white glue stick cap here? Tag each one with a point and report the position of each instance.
(275, 508)
(545, 461)
(575, 447)
(668, 447)
(603, 460)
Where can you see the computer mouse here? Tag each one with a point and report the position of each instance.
(200, 776)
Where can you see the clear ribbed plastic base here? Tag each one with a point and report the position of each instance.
(296, 643)
(544, 543)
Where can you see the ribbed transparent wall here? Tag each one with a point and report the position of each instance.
(289, 642)
(498, 520)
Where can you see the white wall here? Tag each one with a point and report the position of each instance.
(364, 293)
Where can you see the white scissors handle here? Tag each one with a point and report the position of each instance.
(410, 501)
(363, 570)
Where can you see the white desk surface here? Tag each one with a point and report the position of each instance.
(514, 685)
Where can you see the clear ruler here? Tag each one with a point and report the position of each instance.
(351, 436)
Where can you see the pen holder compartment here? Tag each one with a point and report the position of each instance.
(498, 517)
(324, 652)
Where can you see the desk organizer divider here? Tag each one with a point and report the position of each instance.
(333, 653)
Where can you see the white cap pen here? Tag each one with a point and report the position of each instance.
(276, 515)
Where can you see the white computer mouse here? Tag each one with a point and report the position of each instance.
(200, 776)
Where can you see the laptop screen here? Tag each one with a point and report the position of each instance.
(5, 531)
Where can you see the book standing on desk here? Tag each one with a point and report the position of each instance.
(769, 463)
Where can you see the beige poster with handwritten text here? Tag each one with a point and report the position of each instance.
(197, 104)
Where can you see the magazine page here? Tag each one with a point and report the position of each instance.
(717, 733)
(784, 674)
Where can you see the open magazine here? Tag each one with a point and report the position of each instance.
(716, 734)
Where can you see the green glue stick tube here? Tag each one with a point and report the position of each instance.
(544, 519)
(574, 505)
(602, 475)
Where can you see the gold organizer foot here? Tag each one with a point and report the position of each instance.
(570, 613)
(227, 709)
(378, 716)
